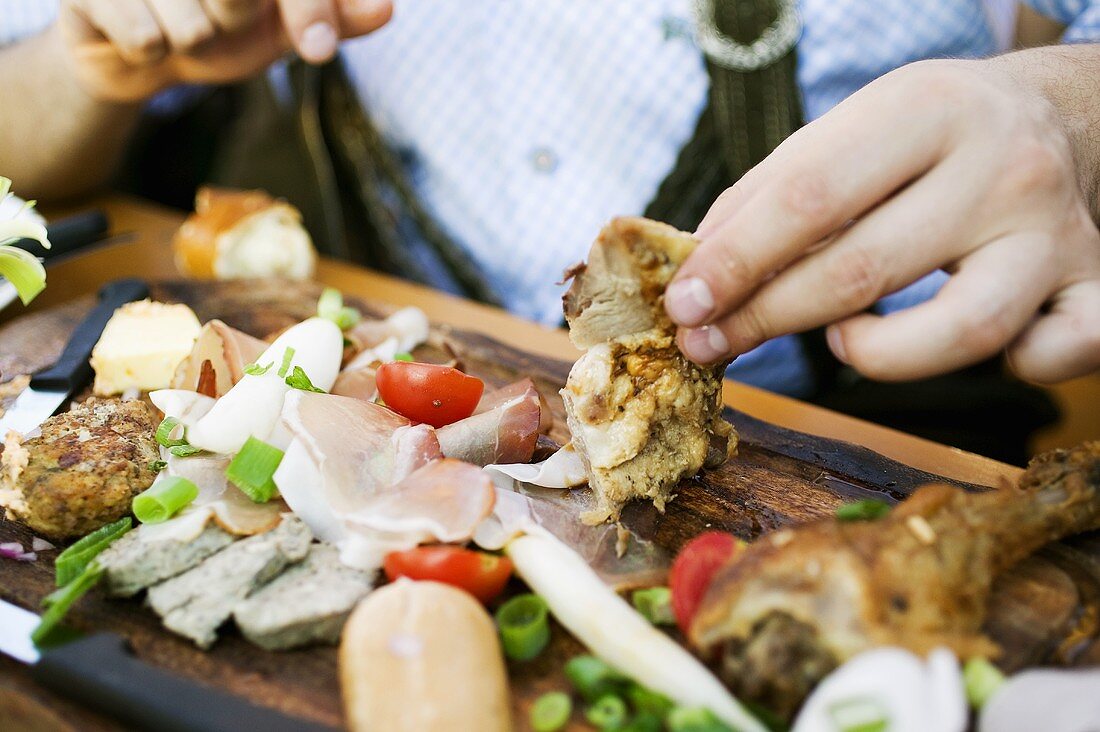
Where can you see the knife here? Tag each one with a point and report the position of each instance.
(52, 387)
(67, 235)
(100, 671)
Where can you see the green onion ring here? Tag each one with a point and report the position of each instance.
(524, 627)
(164, 499)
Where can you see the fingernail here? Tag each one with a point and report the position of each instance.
(689, 301)
(706, 344)
(836, 343)
(318, 42)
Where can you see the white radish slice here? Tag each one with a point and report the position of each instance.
(252, 406)
(910, 694)
(615, 632)
(563, 469)
(1053, 700)
(186, 406)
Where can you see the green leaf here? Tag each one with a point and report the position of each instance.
(22, 269)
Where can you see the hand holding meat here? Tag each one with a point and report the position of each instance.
(977, 169)
(127, 50)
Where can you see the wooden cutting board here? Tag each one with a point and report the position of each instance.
(1045, 611)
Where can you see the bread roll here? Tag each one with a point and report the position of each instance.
(423, 656)
(243, 234)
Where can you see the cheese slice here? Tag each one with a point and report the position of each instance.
(141, 347)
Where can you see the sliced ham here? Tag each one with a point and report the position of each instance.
(357, 383)
(227, 349)
(492, 399)
(342, 452)
(531, 510)
(506, 432)
(381, 340)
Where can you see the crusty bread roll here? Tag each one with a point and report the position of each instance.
(235, 234)
(423, 656)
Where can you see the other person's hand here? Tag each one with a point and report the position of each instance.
(940, 164)
(127, 50)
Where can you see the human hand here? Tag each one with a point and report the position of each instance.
(941, 164)
(127, 50)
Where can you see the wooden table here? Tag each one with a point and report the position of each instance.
(142, 248)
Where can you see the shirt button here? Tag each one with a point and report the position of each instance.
(544, 160)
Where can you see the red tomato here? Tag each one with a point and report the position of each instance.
(482, 575)
(694, 568)
(428, 393)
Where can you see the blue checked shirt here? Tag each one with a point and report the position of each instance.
(526, 124)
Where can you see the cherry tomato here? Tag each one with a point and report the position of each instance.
(428, 393)
(482, 575)
(694, 568)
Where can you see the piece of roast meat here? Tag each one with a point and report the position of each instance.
(799, 601)
(642, 416)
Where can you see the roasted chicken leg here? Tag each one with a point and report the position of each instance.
(641, 415)
(800, 601)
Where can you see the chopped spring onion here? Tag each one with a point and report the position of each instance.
(859, 715)
(162, 500)
(649, 702)
(57, 603)
(407, 357)
(158, 465)
(252, 470)
(866, 509)
(608, 712)
(551, 712)
(71, 563)
(288, 356)
(695, 719)
(299, 380)
(184, 450)
(255, 369)
(593, 678)
(981, 679)
(524, 627)
(331, 307)
(644, 722)
(655, 604)
(171, 433)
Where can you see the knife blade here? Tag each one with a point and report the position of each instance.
(52, 387)
(67, 235)
(100, 671)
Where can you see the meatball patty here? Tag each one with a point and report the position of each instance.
(83, 470)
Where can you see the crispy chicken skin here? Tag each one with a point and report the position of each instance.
(800, 601)
(83, 470)
(641, 415)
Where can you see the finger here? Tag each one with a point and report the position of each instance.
(312, 26)
(234, 15)
(129, 26)
(1064, 343)
(184, 23)
(893, 246)
(993, 296)
(359, 17)
(815, 183)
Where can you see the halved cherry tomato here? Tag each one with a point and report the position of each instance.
(429, 393)
(694, 568)
(482, 575)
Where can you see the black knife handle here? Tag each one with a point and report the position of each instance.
(72, 370)
(100, 672)
(69, 234)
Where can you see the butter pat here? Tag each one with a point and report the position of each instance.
(142, 345)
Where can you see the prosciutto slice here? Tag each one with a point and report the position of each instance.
(381, 340)
(342, 452)
(357, 383)
(505, 432)
(529, 509)
(492, 399)
(227, 349)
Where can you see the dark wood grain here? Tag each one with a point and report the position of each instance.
(1044, 611)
